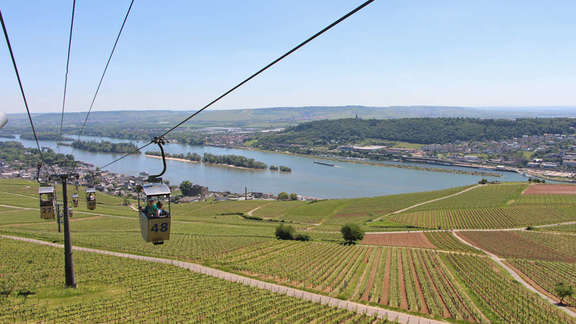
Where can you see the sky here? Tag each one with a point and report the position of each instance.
(181, 54)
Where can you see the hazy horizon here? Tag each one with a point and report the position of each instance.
(392, 53)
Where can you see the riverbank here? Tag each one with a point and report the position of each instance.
(375, 163)
(170, 158)
(350, 180)
(209, 164)
(549, 175)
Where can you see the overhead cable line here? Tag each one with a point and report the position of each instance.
(105, 69)
(251, 77)
(67, 69)
(20, 85)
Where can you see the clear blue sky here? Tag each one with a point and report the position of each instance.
(180, 54)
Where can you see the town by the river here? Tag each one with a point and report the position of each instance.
(344, 180)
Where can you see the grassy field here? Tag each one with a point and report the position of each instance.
(447, 279)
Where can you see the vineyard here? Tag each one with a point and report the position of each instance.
(539, 246)
(193, 241)
(550, 189)
(413, 280)
(428, 273)
(364, 209)
(503, 300)
(447, 241)
(398, 239)
(487, 196)
(568, 228)
(112, 289)
(539, 272)
(486, 218)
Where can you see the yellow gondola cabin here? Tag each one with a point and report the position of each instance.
(91, 198)
(154, 221)
(46, 202)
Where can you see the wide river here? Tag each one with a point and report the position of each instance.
(346, 180)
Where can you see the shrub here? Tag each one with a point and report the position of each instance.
(352, 233)
(283, 196)
(285, 232)
(563, 290)
(302, 237)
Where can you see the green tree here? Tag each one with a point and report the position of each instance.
(293, 196)
(283, 196)
(352, 233)
(186, 188)
(563, 290)
(285, 232)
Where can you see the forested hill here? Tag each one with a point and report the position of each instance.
(415, 130)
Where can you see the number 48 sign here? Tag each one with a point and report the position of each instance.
(162, 228)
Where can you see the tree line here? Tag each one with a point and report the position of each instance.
(106, 147)
(235, 160)
(413, 130)
(15, 154)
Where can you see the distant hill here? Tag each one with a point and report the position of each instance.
(277, 117)
(413, 130)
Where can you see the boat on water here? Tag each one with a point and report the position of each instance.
(325, 164)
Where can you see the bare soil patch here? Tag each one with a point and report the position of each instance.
(398, 239)
(550, 189)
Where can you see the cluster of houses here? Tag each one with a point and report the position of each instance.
(125, 186)
(557, 151)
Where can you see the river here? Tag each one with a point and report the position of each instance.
(346, 180)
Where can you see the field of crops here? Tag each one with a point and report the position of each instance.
(447, 241)
(417, 239)
(364, 209)
(540, 272)
(407, 272)
(528, 245)
(568, 228)
(198, 242)
(486, 218)
(112, 289)
(503, 300)
(413, 280)
(563, 244)
(545, 200)
(487, 196)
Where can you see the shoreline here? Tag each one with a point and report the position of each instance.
(170, 158)
(209, 164)
(375, 163)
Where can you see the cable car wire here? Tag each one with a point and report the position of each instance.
(20, 85)
(105, 69)
(67, 69)
(325, 29)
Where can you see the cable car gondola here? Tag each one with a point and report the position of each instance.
(91, 198)
(154, 206)
(75, 200)
(47, 204)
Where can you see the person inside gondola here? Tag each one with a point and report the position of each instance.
(151, 210)
(91, 197)
(161, 211)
